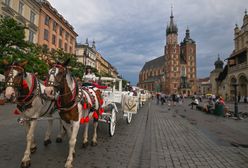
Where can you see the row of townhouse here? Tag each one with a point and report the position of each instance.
(88, 55)
(43, 24)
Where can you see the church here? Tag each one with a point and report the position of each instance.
(174, 71)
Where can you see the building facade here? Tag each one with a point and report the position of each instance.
(54, 31)
(25, 12)
(238, 61)
(175, 71)
(102, 65)
(214, 76)
(234, 75)
(204, 86)
(86, 54)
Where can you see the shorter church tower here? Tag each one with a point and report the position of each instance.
(188, 65)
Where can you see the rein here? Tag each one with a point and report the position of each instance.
(30, 90)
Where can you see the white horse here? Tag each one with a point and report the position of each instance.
(74, 104)
(26, 91)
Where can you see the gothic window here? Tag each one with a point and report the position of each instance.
(60, 43)
(183, 71)
(31, 36)
(46, 34)
(54, 39)
(32, 17)
(54, 26)
(21, 6)
(47, 19)
(61, 31)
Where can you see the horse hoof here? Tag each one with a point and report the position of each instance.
(93, 143)
(58, 140)
(47, 142)
(26, 164)
(85, 145)
(33, 149)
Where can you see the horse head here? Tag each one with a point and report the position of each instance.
(56, 75)
(14, 74)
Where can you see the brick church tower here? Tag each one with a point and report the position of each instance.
(172, 63)
(175, 70)
(180, 62)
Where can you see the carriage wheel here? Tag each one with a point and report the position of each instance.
(129, 117)
(112, 123)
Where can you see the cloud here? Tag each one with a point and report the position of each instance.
(129, 33)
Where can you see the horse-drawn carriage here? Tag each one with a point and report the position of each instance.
(75, 104)
(114, 97)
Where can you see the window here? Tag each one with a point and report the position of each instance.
(54, 39)
(21, 5)
(183, 71)
(71, 39)
(46, 34)
(66, 36)
(54, 26)
(70, 49)
(32, 17)
(60, 43)
(47, 19)
(7, 2)
(61, 31)
(31, 36)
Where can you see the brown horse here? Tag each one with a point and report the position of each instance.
(74, 104)
(26, 91)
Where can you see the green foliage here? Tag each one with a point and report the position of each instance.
(13, 47)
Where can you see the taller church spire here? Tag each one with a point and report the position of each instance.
(172, 27)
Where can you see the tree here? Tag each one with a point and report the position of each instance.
(12, 37)
(13, 47)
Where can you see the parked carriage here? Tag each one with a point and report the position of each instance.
(113, 97)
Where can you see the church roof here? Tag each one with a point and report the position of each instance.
(155, 63)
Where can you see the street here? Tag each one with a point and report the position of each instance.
(158, 136)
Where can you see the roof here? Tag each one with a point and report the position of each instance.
(155, 63)
(152, 79)
(238, 53)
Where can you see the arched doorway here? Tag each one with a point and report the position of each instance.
(242, 87)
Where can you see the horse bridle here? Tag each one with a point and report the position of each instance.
(10, 80)
(55, 83)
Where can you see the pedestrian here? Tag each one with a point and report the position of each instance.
(162, 98)
(158, 97)
(195, 102)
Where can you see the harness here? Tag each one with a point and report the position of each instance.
(26, 102)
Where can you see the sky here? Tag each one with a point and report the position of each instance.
(129, 33)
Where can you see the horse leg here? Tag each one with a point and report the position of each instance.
(33, 144)
(61, 132)
(85, 135)
(26, 161)
(72, 143)
(94, 138)
(47, 139)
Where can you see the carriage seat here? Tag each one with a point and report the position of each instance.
(94, 84)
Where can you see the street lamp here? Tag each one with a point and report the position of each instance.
(236, 101)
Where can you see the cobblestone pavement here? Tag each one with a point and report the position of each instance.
(158, 136)
(178, 143)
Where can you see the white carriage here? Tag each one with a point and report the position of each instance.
(113, 97)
